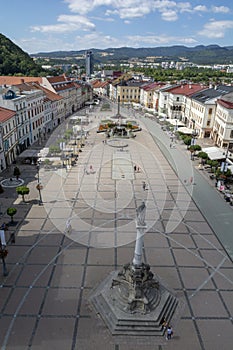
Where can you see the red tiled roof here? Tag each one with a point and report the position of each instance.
(58, 79)
(186, 89)
(6, 114)
(34, 86)
(7, 80)
(153, 86)
(105, 83)
(64, 86)
(226, 104)
(24, 87)
(97, 84)
(49, 94)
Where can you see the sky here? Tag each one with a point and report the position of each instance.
(65, 25)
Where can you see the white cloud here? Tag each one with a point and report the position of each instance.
(130, 8)
(133, 12)
(85, 13)
(34, 44)
(140, 40)
(69, 24)
(163, 4)
(96, 40)
(86, 6)
(103, 19)
(201, 8)
(99, 40)
(184, 7)
(220, 9)
(102, 41)
(169, 15)
(216, 29)
(139, 8)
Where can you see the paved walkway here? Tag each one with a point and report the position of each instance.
(217, 212)
(86, 229)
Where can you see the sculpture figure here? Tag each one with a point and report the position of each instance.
(141, 214)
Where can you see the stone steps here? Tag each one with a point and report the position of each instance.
(121, 322)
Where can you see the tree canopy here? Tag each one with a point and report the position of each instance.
(14, 61)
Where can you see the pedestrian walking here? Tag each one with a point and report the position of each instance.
(143, 185)
(191, 180)
(164, 324)
(169, 333)
(2, 235)
(68, 228)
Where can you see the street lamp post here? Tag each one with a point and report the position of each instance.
(3, 251)
(224, 164)
(176, 128)
(39, 186)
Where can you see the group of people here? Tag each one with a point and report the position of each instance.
(167, 328)
(136, 169)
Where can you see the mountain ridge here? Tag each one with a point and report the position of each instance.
(199, 54)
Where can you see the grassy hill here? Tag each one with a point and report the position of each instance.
(14, 61)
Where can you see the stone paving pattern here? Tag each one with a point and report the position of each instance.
(45, 297)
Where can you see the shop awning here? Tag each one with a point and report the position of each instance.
(185, 130)
(30, 153)
(214, 153)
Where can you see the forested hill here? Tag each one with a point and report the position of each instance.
(212, 54)
(13, 60)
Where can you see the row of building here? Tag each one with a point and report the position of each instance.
(205, 110)
(31, 107)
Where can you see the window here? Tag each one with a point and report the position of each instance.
(231, 135)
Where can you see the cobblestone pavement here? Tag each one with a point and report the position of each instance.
(86, 229)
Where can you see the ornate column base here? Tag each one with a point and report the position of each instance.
(133, 302)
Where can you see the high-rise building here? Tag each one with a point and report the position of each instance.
(89, 63)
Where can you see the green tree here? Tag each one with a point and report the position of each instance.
(187, 140)
(14, 60)
(54, 149)
(68, 134)
(213, 164)
(202, 155)
(221, 174)
(11, 212)
(22, 190)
